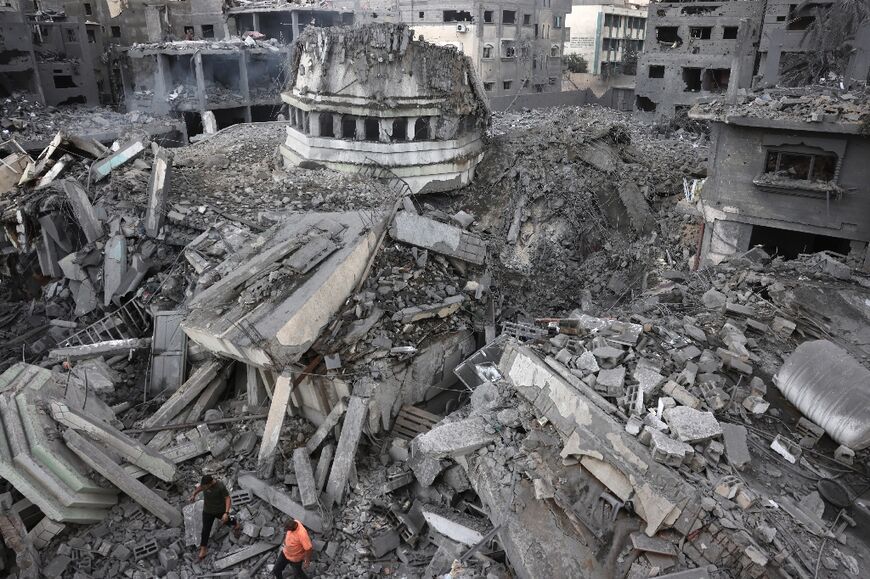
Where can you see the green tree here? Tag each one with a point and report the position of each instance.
(575, 63)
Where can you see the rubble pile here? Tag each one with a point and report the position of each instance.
(528, 378)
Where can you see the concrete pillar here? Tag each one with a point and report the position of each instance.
(294, 18)
(162, 82)
(247, 113)
(314, 124)
(412, 128)
(243, 78)
(385, 130)
(274, 422)
(336, 125)
(743, 61)
(200, 80)
(360, 129)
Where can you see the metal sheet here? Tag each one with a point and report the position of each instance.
(831, 388)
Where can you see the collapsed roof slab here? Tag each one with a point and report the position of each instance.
(284, 287)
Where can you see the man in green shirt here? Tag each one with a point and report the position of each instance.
(216, 506)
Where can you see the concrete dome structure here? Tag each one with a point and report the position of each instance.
(370, 96)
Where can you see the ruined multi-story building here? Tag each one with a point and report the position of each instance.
(690, 50)
(609, 36)
(53, 54)
(371, 96)
(789, 185)
(516, 47)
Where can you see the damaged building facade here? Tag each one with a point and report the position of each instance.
(791, 185)
(516, 47)
(371, 97)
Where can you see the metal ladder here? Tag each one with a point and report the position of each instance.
(129, 321)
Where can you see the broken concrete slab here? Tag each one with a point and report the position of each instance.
(439, 237)
(114, 266)
(736, 449)
(106, 349)
(690, 425)
(345, 452)
(132, 450)
(326, 426)
(278, 499)
(112, 471)
(192, 514)
(242, 555)
(158, 190)
(455, 525)
(185, 394)
(305, 477)
(125, 153)
(453, 439)
(442, 310)
(83, 210)
(54, 172)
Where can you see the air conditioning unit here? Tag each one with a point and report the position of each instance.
(461, 28)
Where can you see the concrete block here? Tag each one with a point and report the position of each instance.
(611, 382)
(114, 266)
(192, 514)
(668, 451)
(439, 237)
(126, 153)
(384, 543)
(281, 501)
(453, 439)
(345, 452)
(103, 464)
(454, 525)
(690, 425)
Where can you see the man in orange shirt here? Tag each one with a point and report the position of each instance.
(296, 550)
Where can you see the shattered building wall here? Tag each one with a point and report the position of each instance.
(18, 71)
(516, 47)
(690, 50)
(607, 36)
(371, 97)
(792, 186)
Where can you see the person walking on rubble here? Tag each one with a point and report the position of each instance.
(216, 506)
(296, 550)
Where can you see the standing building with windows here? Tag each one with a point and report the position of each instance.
(789, 185)
(609, 37)
(515, 46)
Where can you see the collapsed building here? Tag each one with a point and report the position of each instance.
(371, 98)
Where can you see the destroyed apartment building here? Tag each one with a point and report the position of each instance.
(515, 345)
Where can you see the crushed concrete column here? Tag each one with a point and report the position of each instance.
(114, 266)
(323, 464)
(274, 422)
(351, 430)
(305, 477)
(83, 210)
(281, 501)
(326, 426)
(112, 471)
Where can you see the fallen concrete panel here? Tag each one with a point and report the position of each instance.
(114, 266)
(185, 394)
(273, 328)
(831, 388)
(54, 172)
(439, 237)
(103, 464)
(126, 153)
(83, 210)
(274, 422)
(453, 439)
(168, 352)
(345, 452)
(305, 477)
(326, 426)
(323, 465)
(241, 556)
(278, 499)
(453, 524)
(107, 348)
(132, 450)
(158, 190)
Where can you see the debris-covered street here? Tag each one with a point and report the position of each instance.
(400, 331)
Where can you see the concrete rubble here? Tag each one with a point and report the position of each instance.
(528, 377)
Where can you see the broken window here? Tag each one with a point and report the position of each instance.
(608, 20)
(421, 129)
(557, 22)
(487, 16)
(552, 81)
(506, 85)
(644, 104)
(527, 19)
(188, 32)
(701, 32)
(325, 122)
(400, 129)
(372, 128)
(488, 86)
(801, 16)
(695, 10)
(92, 36)
(421, 15)
(348, 127)
(669, 35)
(800, 165)
(116, 31)
(487, 50)
(508, 17)
(656, 71)
(554, 51)
(715, 79)
(208, 31)
(508, 49)
(88, 9)
(457, 16)
(64, 81)
(691, 79)
(729, 32)
(71, 35)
